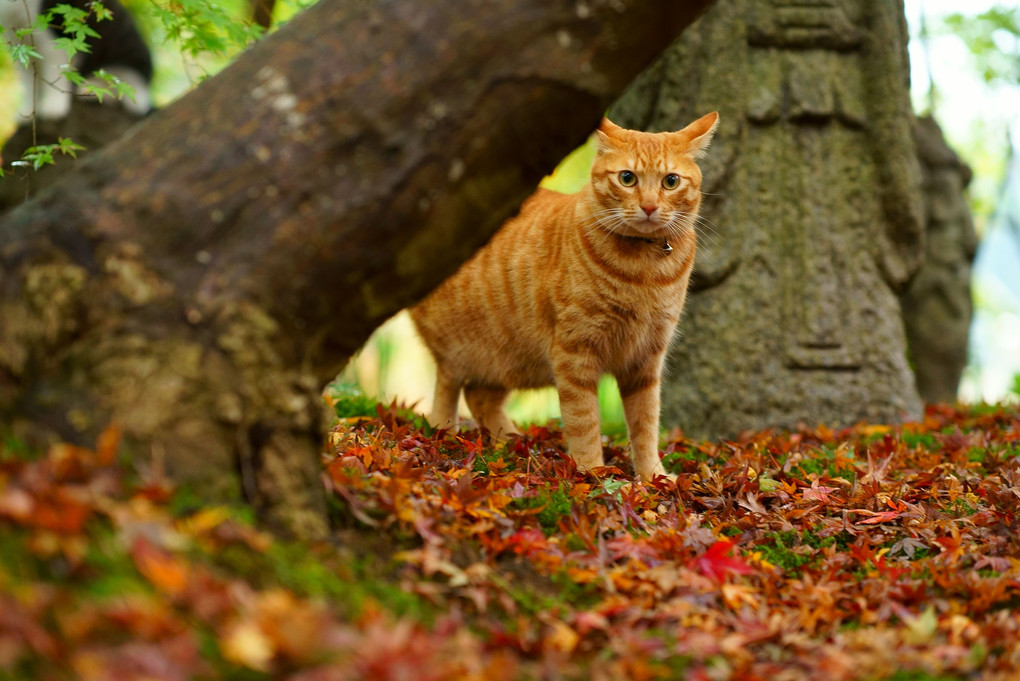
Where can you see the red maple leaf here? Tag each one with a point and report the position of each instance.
(716, 562)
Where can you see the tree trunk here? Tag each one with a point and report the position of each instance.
(198, 281)
(812, 214)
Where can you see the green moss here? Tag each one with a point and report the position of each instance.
(778, 549)
(792, 551)
(12, 448)
(923, 440)
(487, 456)
(822, 462)
(111, 572)
(534, 593)
(350, 401)
(554, 502)
(842, 540)
(960, 507)
(362, 572)
(682, 454)
(917, 675)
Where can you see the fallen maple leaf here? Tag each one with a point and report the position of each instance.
(716, 562)
(876, 518)
(161, 568)
(246, 644)
(560, 637)
(819, 493)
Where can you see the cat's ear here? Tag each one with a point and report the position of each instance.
(606, 131)
(698, 134)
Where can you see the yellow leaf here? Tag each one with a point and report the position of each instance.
(561, 637)
(922, 628)
(245, 644)
(205, 520)
(736, 594)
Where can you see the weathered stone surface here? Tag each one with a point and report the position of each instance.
(812, 219)
(937, 305)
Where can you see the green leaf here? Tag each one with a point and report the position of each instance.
(43, 154)
(101, 12)
(69, 147)
(23, 54)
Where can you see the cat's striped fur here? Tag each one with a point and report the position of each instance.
(574, 287)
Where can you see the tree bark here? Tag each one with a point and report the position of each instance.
(812, 215)
(198, 281)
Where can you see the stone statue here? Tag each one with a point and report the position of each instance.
(937, 306)
(812, 219)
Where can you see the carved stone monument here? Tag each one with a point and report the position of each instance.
(937, 306)
(812, 214)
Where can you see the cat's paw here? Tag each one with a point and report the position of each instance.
(502, 435)
(586, 463)
(657, 472)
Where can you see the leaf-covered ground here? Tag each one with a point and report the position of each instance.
(871, 553)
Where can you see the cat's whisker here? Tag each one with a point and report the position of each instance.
(682, 220)
(610, 219)
(705, 222)
(603, 228)
(708, 232)
(689, 223)
(702, 225)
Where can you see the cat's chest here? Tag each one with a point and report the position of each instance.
(622, 309)
(618, 324)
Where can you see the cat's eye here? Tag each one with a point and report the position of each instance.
(671, 181)
(628, 178)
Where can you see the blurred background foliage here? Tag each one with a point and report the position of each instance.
(965, 71)
(191, 40)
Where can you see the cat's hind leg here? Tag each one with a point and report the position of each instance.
(486, 405)
(444, 405)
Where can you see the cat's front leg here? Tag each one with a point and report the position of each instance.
(486, 404)
(444, 404)
(577, 380)
(639, 391)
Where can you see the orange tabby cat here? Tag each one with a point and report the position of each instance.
(574, 287)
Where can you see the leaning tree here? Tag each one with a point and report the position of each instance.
(197, 282)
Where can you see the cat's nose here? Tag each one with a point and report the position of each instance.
(649, 210)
